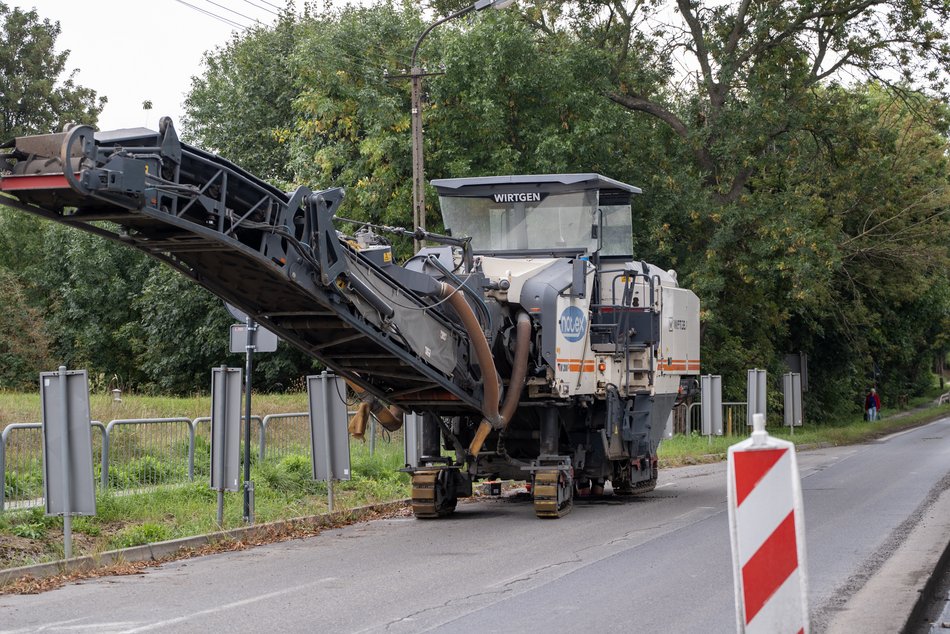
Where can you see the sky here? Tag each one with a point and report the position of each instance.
(132, 51)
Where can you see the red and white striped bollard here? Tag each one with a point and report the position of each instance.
(767, 530)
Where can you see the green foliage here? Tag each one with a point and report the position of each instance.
(145, 533)
(350, 125)
(33, 524)
(241, 106)
(24, 483)
(168, 306)
(202, 458)
(90, 287)
(87, 526)
(24, 355)
(31, 530)
(144, 470)
(290, 476)
(36, 95)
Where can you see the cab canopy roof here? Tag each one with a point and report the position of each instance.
(542, 182)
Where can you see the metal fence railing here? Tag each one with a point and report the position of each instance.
(688, 418)
(141, 453)
(137, 454)
(202, 426)
(284, 434)
(21, 463)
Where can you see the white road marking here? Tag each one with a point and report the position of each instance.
(157, 625)
(907, 431)
(42, 628)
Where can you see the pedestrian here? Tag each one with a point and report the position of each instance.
(872, 405)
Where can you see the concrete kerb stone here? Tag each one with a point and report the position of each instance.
(895, 595)
(162, 550)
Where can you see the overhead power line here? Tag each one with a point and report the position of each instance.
(262, 7)
(213, 15)
(229, 10)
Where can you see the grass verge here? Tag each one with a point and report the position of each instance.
(283, 490)
(696, 449)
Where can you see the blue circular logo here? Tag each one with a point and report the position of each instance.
(573, 323)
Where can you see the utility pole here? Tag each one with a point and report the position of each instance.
(418, 167)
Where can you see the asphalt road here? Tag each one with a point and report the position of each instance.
(660, 563)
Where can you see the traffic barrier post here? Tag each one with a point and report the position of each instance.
(767, 531)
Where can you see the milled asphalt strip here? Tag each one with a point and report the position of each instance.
(162, 550)
(890, 598)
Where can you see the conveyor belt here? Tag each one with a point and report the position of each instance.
(273, 254)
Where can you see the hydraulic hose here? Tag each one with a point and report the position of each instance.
(392, 417)
(520, 370)
(486, 363)
(515, 384)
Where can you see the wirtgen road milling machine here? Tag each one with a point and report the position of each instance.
(530, 343)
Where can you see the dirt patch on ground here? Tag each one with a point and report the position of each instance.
(18, 551)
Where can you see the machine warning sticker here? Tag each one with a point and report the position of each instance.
(573, 323)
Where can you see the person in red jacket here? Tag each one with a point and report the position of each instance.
(872, 404)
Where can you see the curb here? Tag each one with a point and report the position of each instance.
(159, 551)
(896, 595)
(919, 614)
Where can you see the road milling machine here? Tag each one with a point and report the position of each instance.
(527, 343)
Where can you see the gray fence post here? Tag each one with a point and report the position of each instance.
(372, 435)
(104, 476)
(262, 445)
(95, 423)
(191, 451)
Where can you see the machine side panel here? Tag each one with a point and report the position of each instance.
(678, 352)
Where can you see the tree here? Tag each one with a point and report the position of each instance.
(752, 66)
(807, 215)
(242, 106)
(351, 120)
(34, 94)
(25, 347)
(89, 286)
(181, 332)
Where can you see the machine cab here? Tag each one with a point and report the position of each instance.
(550, 214)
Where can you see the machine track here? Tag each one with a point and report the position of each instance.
(553, 493)
(627, 489)
(430, 496)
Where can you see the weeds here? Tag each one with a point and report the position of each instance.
(31, 530)
(145, 533)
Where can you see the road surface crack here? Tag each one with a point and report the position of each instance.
(504, 590)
